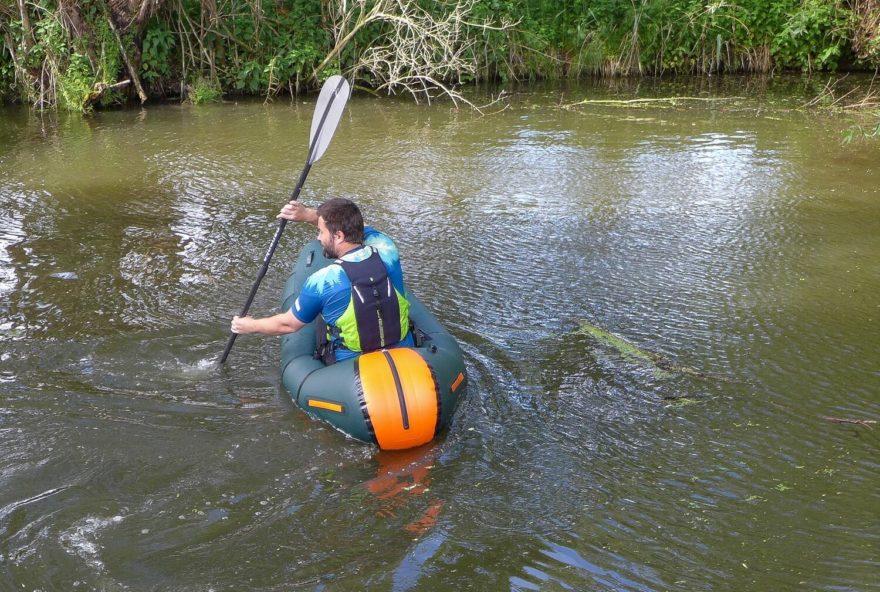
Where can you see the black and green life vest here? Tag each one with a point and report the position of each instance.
(377, 315)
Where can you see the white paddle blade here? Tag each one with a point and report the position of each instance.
(331, 102)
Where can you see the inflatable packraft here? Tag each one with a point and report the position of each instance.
(396, 398)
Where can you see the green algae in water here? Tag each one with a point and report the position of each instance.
(663, 367)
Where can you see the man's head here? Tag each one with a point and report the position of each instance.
(339, 220)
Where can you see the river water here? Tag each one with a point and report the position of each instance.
(738, 239)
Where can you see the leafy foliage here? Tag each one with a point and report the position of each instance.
(264, 47)
(75, 82)
(815, 36)
(157, 51)
(203, 91)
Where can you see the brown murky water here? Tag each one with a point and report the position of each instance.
(734, 239)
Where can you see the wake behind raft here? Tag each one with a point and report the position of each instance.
(395, 398)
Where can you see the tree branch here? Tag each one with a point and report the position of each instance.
(131, 69)
(865, 422)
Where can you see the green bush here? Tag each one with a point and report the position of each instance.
(814, 37)
(157, 51)
(7, 76)
(75, 82)
(203, 91)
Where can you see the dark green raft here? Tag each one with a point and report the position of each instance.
(396, 398)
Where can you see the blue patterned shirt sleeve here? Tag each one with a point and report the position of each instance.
(320, 293)
(389, 254)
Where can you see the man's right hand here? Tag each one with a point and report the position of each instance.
(242, 325)
(296, 212)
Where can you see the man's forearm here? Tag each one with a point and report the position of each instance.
(280, 324)
(310, 215)
(274, 325)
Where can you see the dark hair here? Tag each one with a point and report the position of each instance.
(342, 214)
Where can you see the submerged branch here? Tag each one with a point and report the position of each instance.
(865, 422)
(630, 102)
(860, 99)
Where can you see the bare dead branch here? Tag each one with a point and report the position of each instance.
(132, 70)
(424, 54)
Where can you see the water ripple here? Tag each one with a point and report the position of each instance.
(741, 249)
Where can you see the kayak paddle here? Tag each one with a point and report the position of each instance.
(328, 110)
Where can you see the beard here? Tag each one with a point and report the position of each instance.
(330, 252)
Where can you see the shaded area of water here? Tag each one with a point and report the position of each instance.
(730, 239)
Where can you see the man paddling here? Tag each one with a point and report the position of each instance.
(360, 298)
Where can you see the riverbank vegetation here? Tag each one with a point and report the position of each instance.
(56, 52)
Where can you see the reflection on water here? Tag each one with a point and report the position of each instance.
(739, 247)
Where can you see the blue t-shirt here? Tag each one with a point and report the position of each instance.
(328, 290)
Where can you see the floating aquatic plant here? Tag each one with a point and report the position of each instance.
(629, 350)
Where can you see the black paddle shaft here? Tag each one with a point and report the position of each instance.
(265, 266)
(282, 223)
